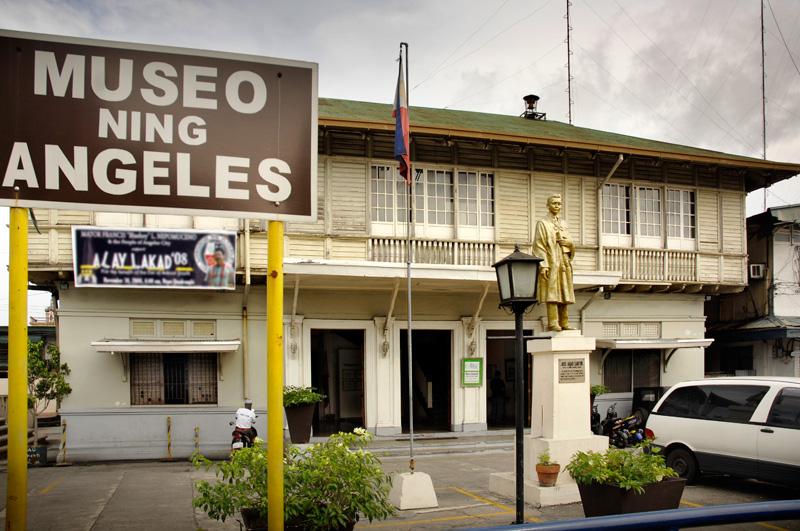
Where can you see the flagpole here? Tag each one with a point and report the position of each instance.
(409, 259)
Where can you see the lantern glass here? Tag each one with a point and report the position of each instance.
(524, 279)
(504, 281)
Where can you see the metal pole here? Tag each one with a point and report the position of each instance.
(519, 401)
(569, 67)
(275, 375)
(17, 480)
(409, 259)
(763, 100)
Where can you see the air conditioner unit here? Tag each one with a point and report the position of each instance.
(757, 270)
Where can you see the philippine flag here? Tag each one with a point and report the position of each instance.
(400, 114)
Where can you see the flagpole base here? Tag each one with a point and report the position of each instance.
(413, 490)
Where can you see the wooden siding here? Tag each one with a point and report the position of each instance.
(708, 223)
(118, 219)
(588, 213)
(318, 227)
(733, 269)
(512, 207)
(348, 196)
(346, 249)
(545, 185)
(708, 267)
(305, 247)
(585, 260)
(733, 240)
(168, 221)
(258, 251)
(572, 204)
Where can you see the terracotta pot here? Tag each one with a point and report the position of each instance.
(601, 500)
(548, 474)
(299, 420)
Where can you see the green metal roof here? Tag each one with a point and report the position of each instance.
(514, 128)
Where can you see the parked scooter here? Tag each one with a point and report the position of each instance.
(241, 438)
(595, 422)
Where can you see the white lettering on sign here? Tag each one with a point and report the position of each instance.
(198, 83)
(229, 173)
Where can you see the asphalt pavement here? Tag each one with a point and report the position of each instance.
(158, 495)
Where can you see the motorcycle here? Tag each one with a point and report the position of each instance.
(625, 432)
(595, 422)
(241, 438)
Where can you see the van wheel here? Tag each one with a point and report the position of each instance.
(683, 462)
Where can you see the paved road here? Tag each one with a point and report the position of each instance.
(156, 496)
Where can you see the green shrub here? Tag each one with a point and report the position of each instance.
(326, 485)
(599, 390)
(300, 396)
(629, 469)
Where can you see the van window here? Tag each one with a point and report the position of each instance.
(726, 403)
(785, 412)
(732, 403)
(684, 402)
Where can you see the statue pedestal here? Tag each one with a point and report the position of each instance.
(560, 417)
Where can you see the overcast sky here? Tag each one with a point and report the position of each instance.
(683, 71)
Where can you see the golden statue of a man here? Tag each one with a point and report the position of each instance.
(552, 243)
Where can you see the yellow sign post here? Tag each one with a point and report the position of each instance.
(17, 481)
(275, 375)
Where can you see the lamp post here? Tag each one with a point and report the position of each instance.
(517, 279)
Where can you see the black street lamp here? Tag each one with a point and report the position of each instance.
(517, 279)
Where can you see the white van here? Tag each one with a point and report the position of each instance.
(745, 426)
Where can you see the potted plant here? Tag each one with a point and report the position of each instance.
(625, 481)
(299, 403)
(547, 470)
(327, 486)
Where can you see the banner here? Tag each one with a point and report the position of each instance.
(154, 258)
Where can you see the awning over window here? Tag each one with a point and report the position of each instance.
(165, 345)
(613, 344)
(667, 346)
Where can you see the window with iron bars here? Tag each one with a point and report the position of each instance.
(173, 378)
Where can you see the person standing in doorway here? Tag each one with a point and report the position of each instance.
(553, 244)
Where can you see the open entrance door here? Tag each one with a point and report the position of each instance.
(337, 371)
(500, 370)
(432, 375)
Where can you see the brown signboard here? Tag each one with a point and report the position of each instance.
(99, 125)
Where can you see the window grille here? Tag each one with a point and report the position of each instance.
(174, 378)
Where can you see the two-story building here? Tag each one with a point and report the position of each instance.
(757, 331)
(658, 227)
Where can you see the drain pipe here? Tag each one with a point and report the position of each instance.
(245, 295)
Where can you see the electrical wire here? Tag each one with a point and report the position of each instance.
(769, 4)
(700, 109)
(681, 134)
(465, 41)
(496, 35)
(548, 52)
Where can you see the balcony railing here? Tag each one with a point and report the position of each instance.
(432, 251)
(651, 265)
